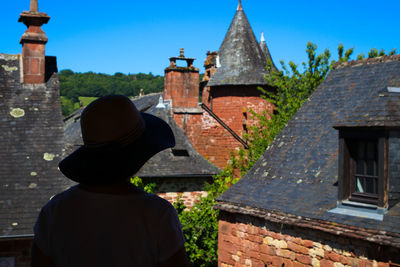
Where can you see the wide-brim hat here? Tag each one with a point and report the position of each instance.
(118, 140)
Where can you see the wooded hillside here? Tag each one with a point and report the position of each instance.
(89, 84)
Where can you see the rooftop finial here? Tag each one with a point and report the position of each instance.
(34, 6)
(240, 5)
(182, 52)
(262, 37)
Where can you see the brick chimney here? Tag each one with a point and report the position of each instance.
(182, 83)
(33, 44)
(210, 65)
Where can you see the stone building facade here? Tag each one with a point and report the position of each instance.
(326, 191)
(31, 143)
(249, 241)
(177, 172)
(215, 114)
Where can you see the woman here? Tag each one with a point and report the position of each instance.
(105, 220)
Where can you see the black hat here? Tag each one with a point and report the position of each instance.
(118, 140)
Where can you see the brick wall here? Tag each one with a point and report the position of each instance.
(188, 189)
(182, 86)
(189, 198)
(17, 248)
(232, 105)
(33, 62)
(208, 137)
(247, 241)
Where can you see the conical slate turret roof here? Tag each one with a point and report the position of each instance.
(265, 50)
(242, 62)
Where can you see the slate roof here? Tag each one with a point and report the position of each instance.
(181, 161)
(72, 127)
(382, 110)
(298, 173)
(265, 50)
(241, 58)
(30, 146)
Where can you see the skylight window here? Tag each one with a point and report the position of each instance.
(393, 89)
(180, 152)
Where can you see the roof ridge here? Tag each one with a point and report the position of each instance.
(366, 61)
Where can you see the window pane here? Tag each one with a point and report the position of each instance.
(360, 166)
(371, 186)
(360, 150)
(365, 184)
(371, 158)
(364, 170)
(360, 157)
(359, 186)
(371, 150)
(371, 168)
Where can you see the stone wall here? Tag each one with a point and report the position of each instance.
(182, 86)
(189, 198)
(232, 105)
(18, 249)
(208, 137)
(188, 189)
(248, 241)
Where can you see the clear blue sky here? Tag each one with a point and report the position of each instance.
(133, 36)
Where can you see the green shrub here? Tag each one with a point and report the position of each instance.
(200, 223)
(148, 187)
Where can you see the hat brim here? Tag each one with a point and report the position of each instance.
(110, 164)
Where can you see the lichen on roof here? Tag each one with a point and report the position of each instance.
(242, 60)
(303, 158)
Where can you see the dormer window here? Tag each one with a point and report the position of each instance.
(362, 172)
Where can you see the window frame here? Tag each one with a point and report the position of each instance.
(346, 179)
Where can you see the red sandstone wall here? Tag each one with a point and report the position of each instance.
(245, 241)
(17, 248)
(183, 88)
(33, 62)
(232, 105)
(189, 198)
(188, 189)
(208, 137)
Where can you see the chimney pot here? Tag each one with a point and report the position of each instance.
(34, 6)
(33, 44)
(181, 86)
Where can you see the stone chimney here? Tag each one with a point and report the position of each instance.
(33, 44)
(210, 65)
(182, 83)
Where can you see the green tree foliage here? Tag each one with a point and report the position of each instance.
(347, 54)
(68, 106)
(90, 84)
(200, 223)
(291, 88)
(375, 53)
(148, 187)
